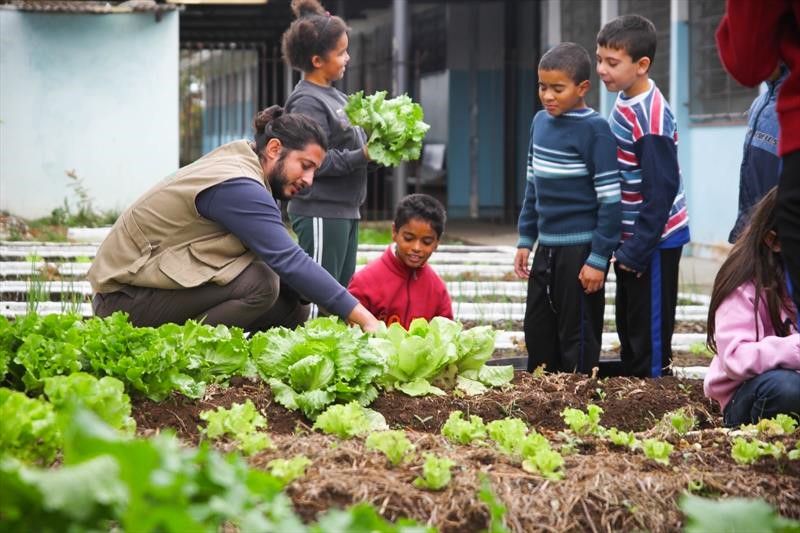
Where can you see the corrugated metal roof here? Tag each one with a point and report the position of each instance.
(86, 6)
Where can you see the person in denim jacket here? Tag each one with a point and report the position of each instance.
(761, 164)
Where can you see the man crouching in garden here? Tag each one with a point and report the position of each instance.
(208, 242)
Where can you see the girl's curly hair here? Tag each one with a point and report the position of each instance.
(314, 32)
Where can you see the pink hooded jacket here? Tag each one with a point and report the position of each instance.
(741, 353)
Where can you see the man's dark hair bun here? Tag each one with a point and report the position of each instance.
(265, 116)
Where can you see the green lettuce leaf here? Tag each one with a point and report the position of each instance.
(395, 127)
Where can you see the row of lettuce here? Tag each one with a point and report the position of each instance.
(309, 368)
(107, 481)
(119, 476)
(65, 396)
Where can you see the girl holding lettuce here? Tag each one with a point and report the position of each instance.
(325, 217)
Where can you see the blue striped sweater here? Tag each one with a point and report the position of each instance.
(654, 214)
(572, 194)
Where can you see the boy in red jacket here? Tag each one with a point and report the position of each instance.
(400, 286)
(753, 37)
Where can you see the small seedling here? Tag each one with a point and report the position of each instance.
(423, 421)
(601, 394)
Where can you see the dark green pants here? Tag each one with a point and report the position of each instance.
(331, 242)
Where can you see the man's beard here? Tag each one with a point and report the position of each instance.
(277, 180)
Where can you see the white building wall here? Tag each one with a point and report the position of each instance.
(97, 94)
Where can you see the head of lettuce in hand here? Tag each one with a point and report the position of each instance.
(394, 126)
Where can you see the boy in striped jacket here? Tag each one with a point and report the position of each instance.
(572, 208)
(655, 222)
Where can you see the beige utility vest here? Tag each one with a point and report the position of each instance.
(162, 242)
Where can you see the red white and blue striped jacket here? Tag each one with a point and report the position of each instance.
(654, 211)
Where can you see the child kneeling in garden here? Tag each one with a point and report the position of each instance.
(401, 286)
(752, 328)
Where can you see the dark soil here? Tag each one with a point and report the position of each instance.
(629, 404)
(606, 488)
(183, 414)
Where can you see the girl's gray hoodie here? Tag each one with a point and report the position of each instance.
(340, 183)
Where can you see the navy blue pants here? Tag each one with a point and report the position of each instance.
(769, 394)
(645, 309)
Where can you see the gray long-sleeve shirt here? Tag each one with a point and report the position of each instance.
(247, 210)
(340, 183)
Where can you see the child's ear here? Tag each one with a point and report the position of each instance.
(643, 65)
(317, 61)
(583, 87)
(771, 240)
(394, 231)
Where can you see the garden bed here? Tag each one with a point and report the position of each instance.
(605, 487)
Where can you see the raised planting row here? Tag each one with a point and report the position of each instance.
(560, 452)
(312, 407)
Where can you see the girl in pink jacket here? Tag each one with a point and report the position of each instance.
(752, 328)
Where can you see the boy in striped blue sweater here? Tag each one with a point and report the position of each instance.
(655, 223)
(572, 208)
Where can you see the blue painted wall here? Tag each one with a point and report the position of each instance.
(709, 156)
(712, 187)
(93, 93)
(490, 96)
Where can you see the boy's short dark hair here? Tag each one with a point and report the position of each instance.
(571, 58)
(633, 33)
(423, 207)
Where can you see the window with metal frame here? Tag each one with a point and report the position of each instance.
(658, 12)
(580, 22)
(714, 95)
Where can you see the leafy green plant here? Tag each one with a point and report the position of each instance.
(364, 518)
(393, 443)
(395, 127)
(601, 394)
(287, 470)
(680, 421)
(657, 450)
(509, 435)
(746, 452)
(462, 431)
(546, 462)
(794, 454)
(781, 424)
(242, 422)
(320, 363)
(584, 423)
(140, 485)
(434, 355)
(733, 515)
(147, 360)
(350, 420)
(436, 473)
(104, 396)
(622, 438)
(496, 508)
(28, 430)
(50, 346)
(700, 348)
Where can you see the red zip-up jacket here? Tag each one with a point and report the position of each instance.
(395, 293)
(752, 37)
